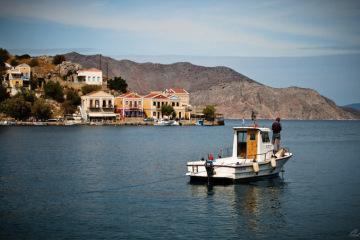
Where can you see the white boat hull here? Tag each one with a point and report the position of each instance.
(234, 171)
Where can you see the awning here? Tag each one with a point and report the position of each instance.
(102, 114)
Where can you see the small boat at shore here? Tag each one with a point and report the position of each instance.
(165, 122)
(252, 158)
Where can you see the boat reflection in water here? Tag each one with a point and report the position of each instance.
(252, 209)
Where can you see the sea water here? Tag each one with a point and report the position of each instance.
(107, 182)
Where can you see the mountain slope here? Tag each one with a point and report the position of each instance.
(234, 94)
(355, 106)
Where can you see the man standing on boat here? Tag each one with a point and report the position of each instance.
(276, 128)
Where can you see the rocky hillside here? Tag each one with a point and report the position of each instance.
(234, 94)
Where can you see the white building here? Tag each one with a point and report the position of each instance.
(98, 106)
(91, 76)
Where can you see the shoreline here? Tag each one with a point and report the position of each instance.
(142, 123)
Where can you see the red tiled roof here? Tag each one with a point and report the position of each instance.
(151, 95)
(89, 70)
(177, 90)
(155, 95)
(160, 96)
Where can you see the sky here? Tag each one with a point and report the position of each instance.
(313, 44)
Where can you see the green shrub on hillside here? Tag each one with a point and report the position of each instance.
(21, 57)
(54, 90)
(16, 107)
(14, 62)
(118, 84)
(58, 59)
(34, 62)
(41, 110)
(28, 95)
(3, 93)
(72, 101)
(90, 88)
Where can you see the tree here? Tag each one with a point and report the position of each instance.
(16, 107)
(68, 107)
(167, 110)
(118, 84)
(54, 90)
(34, 62)
(14, 62)
(24, 56)
(3, 93)
(73, 97)
(209, 112)
(90, 88)
(41, 110)
(27, 95)
(34, 83)
(72, 101)
(58, 59)
(4, 55)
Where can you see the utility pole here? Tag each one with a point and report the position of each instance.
(100, 62)
(107, 71)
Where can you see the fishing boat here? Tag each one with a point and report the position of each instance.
(252, 157)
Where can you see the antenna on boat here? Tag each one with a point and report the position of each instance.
(253, 118)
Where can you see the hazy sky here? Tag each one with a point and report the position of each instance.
(204, 29)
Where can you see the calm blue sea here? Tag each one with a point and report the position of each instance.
(104, 182)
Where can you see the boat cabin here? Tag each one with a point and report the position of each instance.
(252, 143)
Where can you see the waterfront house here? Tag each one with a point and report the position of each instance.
(17, 77)
(152, 104)
(129, 105)
(181, 93)
(98, 106)
(90, 76)
(179, 99)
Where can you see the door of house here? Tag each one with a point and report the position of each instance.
(252, 143)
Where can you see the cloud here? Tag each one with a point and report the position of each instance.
(266, 27)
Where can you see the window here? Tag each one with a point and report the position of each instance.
(126, 102)
(241, 144)
(177, 104)
(158, 104)
(135, 103)
(252, 136)
(104, 103)
(89, 78)
(110, 104)
(154, 114)
(98, 79)
(265, 137)
(154, 103)
(130, 103)
(139, 103)
(173, 104)
(91, 103)
(94, 78)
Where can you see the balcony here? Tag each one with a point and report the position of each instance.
(97, 109)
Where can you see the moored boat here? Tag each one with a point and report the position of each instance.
(166, 122)
(252, 158)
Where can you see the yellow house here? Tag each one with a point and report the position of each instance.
(153, 103)
(129, 105)
(180, 100)
(19, 76)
